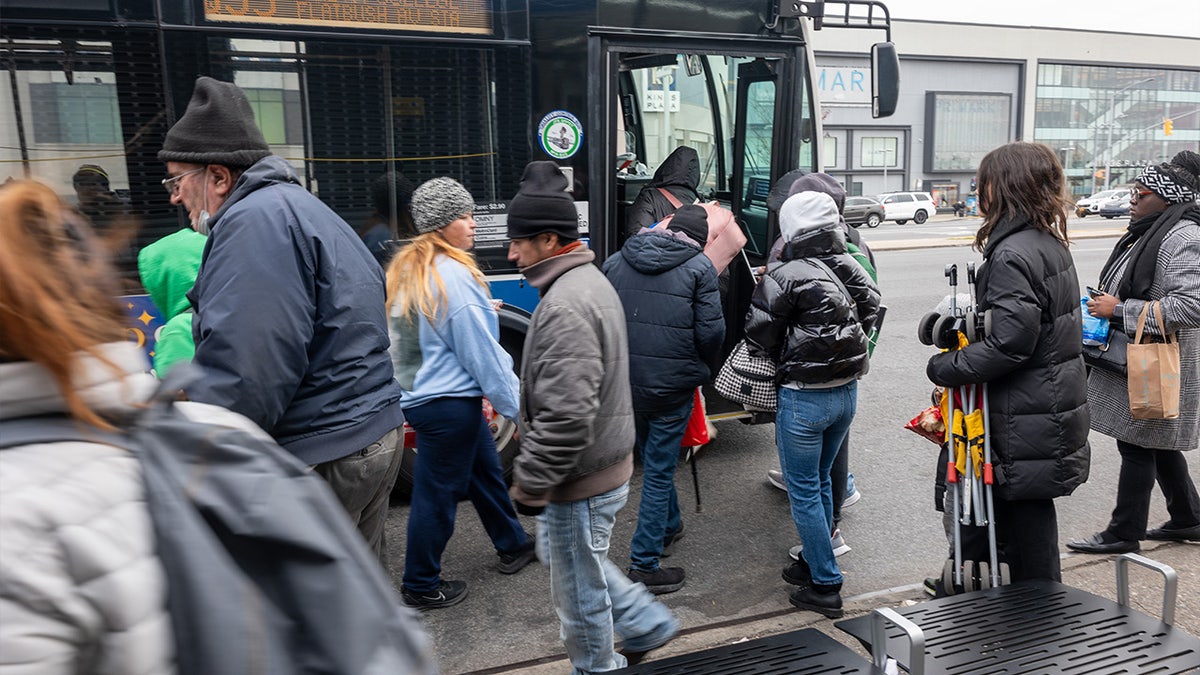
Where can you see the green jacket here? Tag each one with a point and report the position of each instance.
(168, 268)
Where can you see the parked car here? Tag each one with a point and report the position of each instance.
(1117, 207)
(860, 210)
(1091, 205)
(904, 206)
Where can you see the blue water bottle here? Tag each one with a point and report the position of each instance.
(1095, 329)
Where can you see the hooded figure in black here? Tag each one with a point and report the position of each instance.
(679, 174)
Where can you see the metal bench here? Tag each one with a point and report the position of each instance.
(1034, 627)
(802, 651)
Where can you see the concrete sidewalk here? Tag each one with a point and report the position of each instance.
(944, 242)
(1093, 573)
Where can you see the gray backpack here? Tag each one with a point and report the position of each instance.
(265, 573)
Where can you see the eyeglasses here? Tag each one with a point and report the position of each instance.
(1135, 193)
(171, 185)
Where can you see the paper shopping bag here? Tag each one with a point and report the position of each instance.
(1153, 369)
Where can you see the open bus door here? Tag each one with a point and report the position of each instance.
(740, 103)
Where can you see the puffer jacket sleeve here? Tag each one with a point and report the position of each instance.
(863, 291)
(1016, 325)
(766, 320)
(561, 415)
(81, 589)
(708, 318)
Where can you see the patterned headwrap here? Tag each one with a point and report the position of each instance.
(1169, 182)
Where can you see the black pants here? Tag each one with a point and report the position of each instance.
(839, 475)
(1027, 536)
(1139, 469)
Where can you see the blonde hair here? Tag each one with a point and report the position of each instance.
(412, 275)
(57, 290)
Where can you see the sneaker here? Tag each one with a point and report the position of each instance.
(798, 574)
(448, 594)
(660, 581)
(825, 600)
(852, 498)
(840, 547)
(931, 586)
(775, 477)
(644, 645)
(1168, 533)
(511, 563)
(669, 541)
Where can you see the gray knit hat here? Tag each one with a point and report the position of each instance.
(217, 128)
(438, 202)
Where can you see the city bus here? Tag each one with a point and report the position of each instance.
(350, 91)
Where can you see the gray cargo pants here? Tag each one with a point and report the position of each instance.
(363, 482)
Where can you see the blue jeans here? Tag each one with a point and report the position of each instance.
(809, 429)
(658, 439)
(593, 598)
(456, 458)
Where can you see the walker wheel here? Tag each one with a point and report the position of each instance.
(1005, 575)
(925, 328)
(948, 577)
(972, 334)
(985, 578)
(969, 578)
(944, 335)
(987, 324)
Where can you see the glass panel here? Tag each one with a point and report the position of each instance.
(878, 151)
(676, 111)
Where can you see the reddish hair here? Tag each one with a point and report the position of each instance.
(57, 297)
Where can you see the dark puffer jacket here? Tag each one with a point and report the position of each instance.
(673, 311)
(802, 319)
(679, 174)
(1037, 387)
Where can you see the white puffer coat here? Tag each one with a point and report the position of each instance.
(81, 589)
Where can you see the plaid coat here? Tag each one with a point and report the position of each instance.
(1177, 286)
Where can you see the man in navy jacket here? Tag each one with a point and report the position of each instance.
(290, 325)
(673, 312)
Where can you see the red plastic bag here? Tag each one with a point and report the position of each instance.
(696, 432)
(928, 424)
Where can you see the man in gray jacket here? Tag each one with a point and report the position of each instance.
(289, 324)
(577, 430)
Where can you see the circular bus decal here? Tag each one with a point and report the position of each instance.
(560, 134)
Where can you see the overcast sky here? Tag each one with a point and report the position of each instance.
(1155, 17)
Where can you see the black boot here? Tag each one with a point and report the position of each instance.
(797, 574)
(819, 598)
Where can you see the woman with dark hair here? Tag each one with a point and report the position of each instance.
(1158, 259)
(1030, 360)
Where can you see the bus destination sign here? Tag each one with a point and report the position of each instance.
(446, 16)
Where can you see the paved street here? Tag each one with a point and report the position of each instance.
(736, 545)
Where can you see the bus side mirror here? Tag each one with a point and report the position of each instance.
(885, 79)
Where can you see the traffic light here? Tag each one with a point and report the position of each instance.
(1168, 126)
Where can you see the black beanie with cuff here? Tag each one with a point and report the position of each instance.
(543, 204)
(691, 220)
(217, 128)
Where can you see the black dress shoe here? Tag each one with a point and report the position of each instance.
(1097, 544)
(1166, 533)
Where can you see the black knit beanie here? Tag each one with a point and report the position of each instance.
(217, 128)
(542, 204)
(691, 220)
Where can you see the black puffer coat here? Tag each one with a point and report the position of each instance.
(800, 317)
(673, 311)
(1037, 387)
(679, 174)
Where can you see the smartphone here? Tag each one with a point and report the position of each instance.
(1094, 293)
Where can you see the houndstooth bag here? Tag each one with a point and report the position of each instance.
(748, 380)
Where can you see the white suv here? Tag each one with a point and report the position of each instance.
(904, 206)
